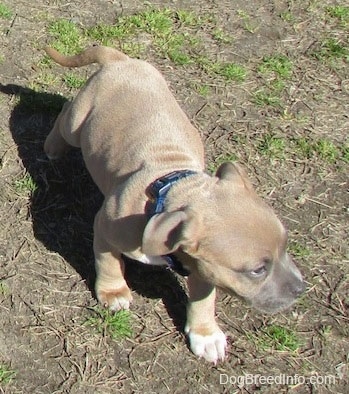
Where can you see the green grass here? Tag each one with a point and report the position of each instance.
(153, 21)
(276, 70)
(322, 148)
(228, 71)
(172, 38)
(272, 146)
(6, 374)
(25, 185)
(44, 78)
(4, 290)
(278, 64)
(174, 46)
(246, 21)
(68, 38)
(5, 12)
(73, 80)
(201, 88)
(278, 338)
(345, 153)
(221, 36)
(115, 325)
(287, 16)
(190, 19)
(340, 13)
(326, 150)
(170, 33)
(161, 25)
(106, 33)
(266, 96)
(298, 251)
(231, 71)
(332, 50)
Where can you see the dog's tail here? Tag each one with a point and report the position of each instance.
(95, 54)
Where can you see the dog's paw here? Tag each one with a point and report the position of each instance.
(210, 347)
(115, 300)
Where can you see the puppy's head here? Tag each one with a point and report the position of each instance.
(232, 239)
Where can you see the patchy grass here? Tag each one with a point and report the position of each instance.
(340, 13)
(67, 36)
(272, 146)
(322, 148)
(332, 50)
(4, 289)
(227, 71)
(231, 71)
(169, 32)
(221, 36)
(275, 337)
(73, 80)
(275, 70)
(5, 12)
(247, 22)
(201, 88)
(159, 24)
(25, 185)
(326, 150)
(6, 374)
(298, 250)
(266, 96)
(287, 16)
(278, 64)
(115, 325)
(345, 153)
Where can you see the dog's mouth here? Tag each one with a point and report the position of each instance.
(273, 306)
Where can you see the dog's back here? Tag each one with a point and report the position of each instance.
(126, 116)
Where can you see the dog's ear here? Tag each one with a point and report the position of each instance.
(234, 172)
(166, 232)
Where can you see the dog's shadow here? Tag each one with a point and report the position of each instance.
(65, 201)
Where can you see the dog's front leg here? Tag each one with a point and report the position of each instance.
(111, 288)
(205, 337)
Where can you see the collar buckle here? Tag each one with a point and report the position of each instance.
(157, 191)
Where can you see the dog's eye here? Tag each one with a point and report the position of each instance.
(257, 273)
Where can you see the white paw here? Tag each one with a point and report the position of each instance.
(118, 303)
(115, 300)
(210, 347)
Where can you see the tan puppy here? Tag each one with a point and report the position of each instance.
(132, 132)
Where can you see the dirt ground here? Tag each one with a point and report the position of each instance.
(47, 210)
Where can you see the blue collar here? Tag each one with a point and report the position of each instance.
(157, 192)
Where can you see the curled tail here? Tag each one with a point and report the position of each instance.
(94, 54)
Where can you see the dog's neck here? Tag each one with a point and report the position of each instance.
(158, 190)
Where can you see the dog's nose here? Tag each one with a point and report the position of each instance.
(298, 289)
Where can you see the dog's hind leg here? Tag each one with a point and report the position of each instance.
(55, 145)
